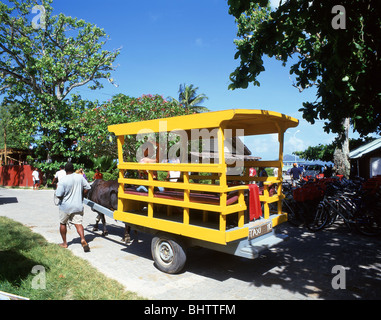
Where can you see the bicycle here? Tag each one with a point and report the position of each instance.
(368, 217)
(352, 207)
(290, 206)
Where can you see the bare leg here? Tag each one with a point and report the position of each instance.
(81, 233)
(63, 230)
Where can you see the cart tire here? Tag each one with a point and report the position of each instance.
(169, 254)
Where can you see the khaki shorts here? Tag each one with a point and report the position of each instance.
(74, 218)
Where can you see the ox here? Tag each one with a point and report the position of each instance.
(105, 193)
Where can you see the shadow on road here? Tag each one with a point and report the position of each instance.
(302, 264)
(8, 200)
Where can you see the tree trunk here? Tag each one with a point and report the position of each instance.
(5, 147)
(340, 156)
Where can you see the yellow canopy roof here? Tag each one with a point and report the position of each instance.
(251, 121)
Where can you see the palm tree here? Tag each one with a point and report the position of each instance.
(189, 99)
(104, 163)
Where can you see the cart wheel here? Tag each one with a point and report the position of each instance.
(168, 254)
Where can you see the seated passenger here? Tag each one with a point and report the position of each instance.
(150, 146)
(174, 176)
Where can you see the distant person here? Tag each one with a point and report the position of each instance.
(328, 172)
(36, 179)
(59, 174)
(262, 173)
(174, 176)
(97, 175)
(275, 172)
(70, 191)
(82, 172)
(295, 174)
(252, 173)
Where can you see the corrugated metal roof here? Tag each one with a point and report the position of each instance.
(364, 149)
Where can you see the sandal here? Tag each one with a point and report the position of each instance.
(85, 246)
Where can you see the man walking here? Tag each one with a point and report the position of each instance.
(69, 191)
(295, 174)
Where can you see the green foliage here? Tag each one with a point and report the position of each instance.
(325, 152)
(40, 67)
(104, 163)
(97, 140)
(10, 125)
(111, 175)
(49, 169)
(107, 165)
(321, 152)
(189, 99)
(39, 70)
(342, 63)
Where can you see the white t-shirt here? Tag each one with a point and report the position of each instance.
(60, 174)
(35, 175)
(70, 189)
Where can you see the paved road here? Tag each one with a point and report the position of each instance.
(300, 268)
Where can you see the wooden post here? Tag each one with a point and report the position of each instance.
(223, 182)
(280, 174)
(150, 194)
(120, 143)
(186, 198)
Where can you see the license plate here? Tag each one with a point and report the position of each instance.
(260, 230)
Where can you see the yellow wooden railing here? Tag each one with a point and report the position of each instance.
(252, 122)
(127, 212)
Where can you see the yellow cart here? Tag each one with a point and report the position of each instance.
(214, 202)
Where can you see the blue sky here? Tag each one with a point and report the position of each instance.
(169, 42)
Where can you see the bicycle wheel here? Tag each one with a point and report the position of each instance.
(333, 212)
(292, 212)
(368, 222)
(319, 220)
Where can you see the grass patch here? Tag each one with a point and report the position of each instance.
(67, 277)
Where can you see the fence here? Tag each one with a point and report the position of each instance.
(17, 176)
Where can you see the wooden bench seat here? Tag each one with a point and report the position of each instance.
(194, 197)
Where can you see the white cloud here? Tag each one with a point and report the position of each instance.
(264, 146)
(294, 143)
